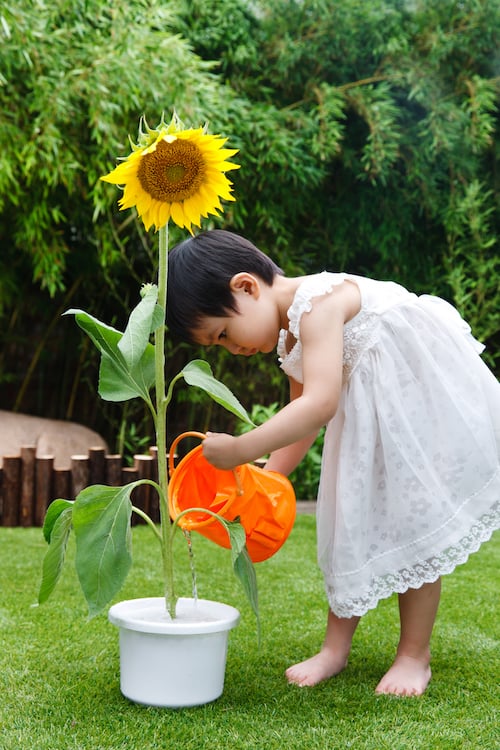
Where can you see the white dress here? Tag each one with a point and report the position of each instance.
(410, 478)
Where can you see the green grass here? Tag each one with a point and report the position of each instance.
(59, 682)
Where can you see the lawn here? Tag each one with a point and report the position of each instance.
(59, 682)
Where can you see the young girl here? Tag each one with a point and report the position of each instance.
(410, 478)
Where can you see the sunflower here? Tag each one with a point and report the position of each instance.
(174, 173)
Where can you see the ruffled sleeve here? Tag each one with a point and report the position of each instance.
(314, 286)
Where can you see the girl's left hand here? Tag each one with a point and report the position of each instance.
(220, 450)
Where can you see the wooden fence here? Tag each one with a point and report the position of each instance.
(29, 483)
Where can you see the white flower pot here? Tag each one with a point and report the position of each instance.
(173, 663)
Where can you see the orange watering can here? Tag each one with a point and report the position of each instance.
(263, 501)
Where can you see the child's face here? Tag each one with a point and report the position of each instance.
(254, 328)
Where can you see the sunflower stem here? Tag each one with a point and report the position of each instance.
(161, 425)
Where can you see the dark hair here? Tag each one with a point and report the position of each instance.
(199, 273)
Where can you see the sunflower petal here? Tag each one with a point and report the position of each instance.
(177, 213)
(163, 214)
(193, 209)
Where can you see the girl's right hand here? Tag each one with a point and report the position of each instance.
(220, 450)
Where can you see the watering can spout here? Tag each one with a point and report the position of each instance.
(263, 501)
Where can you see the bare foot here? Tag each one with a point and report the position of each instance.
(408, 676)
(323, 665)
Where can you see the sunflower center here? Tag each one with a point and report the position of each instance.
(172, 172)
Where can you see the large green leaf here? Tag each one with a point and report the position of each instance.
(199, 373)
(115, 384)
(119, 380)
(101, 520)
(245, 571)
(142, 321)
(55, 555)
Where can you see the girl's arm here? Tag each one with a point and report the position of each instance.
(286, 459)
(322, 348)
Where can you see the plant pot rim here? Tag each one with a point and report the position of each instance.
(149, 615)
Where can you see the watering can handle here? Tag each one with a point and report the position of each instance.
(202, 436)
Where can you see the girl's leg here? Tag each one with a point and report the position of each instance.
(332, 658)
(411, 672)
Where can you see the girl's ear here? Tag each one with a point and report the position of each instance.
(246, 283)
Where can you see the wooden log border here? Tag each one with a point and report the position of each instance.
(29, 483)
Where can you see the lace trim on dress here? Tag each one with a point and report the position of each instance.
(295, 353)
(427, 571)
(360, 333)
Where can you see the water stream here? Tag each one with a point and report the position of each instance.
(187, 535)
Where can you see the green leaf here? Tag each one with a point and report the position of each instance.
(199, 373)
(118, 380)
(101, 520)
(242, 564)
(117, 385)
(237, 537)
(54, 558)
(158, 318)
(53, 512)
(139, 327)
(245, 571)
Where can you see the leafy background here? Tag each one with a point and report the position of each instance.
(368, 137)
